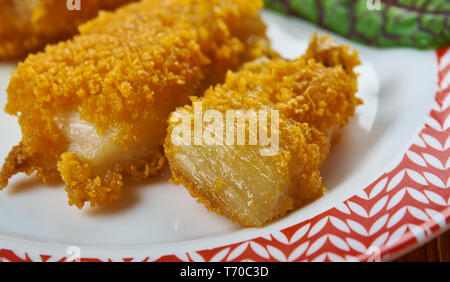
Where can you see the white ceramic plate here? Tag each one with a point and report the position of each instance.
(395, 165)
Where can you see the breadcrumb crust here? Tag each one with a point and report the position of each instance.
(315, 96)
(28, 25)
(144, 59)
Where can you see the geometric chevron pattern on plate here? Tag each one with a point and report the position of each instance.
(402, 209)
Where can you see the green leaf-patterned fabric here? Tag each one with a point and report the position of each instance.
(411, 23)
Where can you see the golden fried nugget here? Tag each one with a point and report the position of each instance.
(28, 25)
(95, 108)
(312, 98)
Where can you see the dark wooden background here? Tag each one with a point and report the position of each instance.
(437, 250)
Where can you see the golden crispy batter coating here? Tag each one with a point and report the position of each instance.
(124, 74)
(315, 97)
(28, 25)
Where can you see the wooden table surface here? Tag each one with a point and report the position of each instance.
(437, 250)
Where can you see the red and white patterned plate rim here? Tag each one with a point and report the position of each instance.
(402, 209)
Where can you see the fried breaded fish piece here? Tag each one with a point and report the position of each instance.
(95, 108)
(311, 98)
(28, 25)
